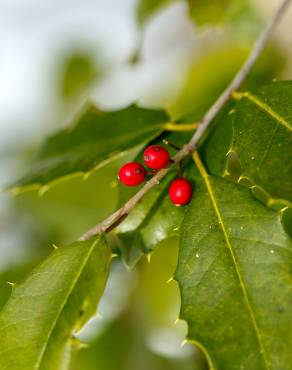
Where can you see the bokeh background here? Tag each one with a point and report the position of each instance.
(54, 55)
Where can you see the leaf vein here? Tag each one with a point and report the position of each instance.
(43, 350)
(233, 257)
(266, 108)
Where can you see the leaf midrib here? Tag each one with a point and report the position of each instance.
(72, 287)
(121, 137)
(264, 107)
(205, 177)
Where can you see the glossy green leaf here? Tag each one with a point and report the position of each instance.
(234, 272)
(152, 220)
(95, 139)
(217, 144)
(262, 137)
(127, 343)
(38, 322)
(287, 220)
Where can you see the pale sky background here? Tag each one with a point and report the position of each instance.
(33, 33)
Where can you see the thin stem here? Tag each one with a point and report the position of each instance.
(172, 145)
(152, 172)
(202, 126)
(171, 126)
(180, 170)
(241, 74)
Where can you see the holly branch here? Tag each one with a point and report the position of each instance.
(201, 127)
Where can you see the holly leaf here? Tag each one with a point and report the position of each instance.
(217, 144)
(152, 220)
(95, 139)
(234, 273)
(262, 137)
(38, 322)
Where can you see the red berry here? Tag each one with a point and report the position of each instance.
(132, 174)
(180, 192)
(156, 157)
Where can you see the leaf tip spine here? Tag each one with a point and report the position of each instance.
(149, 256)
(174, 278)
(86, 175)
(183, 343)
(114, 184)
(226, 173)
(176, 320)
(98, 315)
(230, 150)
(282, 210)
(236, 95)
(11, 284)
(43, 189)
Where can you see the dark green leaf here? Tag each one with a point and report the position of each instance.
(127, 342)
(234, 272)
(152, 220)
(262, 137)
(217, 144)
(155, 218)
(287, 220)
(55, 300)
(95, 139)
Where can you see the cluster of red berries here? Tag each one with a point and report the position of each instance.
(156, 157)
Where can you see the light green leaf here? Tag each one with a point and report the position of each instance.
(149, 312)
(234, 272)
(39, 320)
(262, 137)
(94, 140)
(206, 80)
(77, 72)
(220, 11)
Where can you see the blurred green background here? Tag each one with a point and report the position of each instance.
(177, 55)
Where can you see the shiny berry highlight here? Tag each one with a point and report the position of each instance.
(156, 157)
(132, 174)
(180, 191)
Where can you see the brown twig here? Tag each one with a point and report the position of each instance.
(202, 126)
(172, 145)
